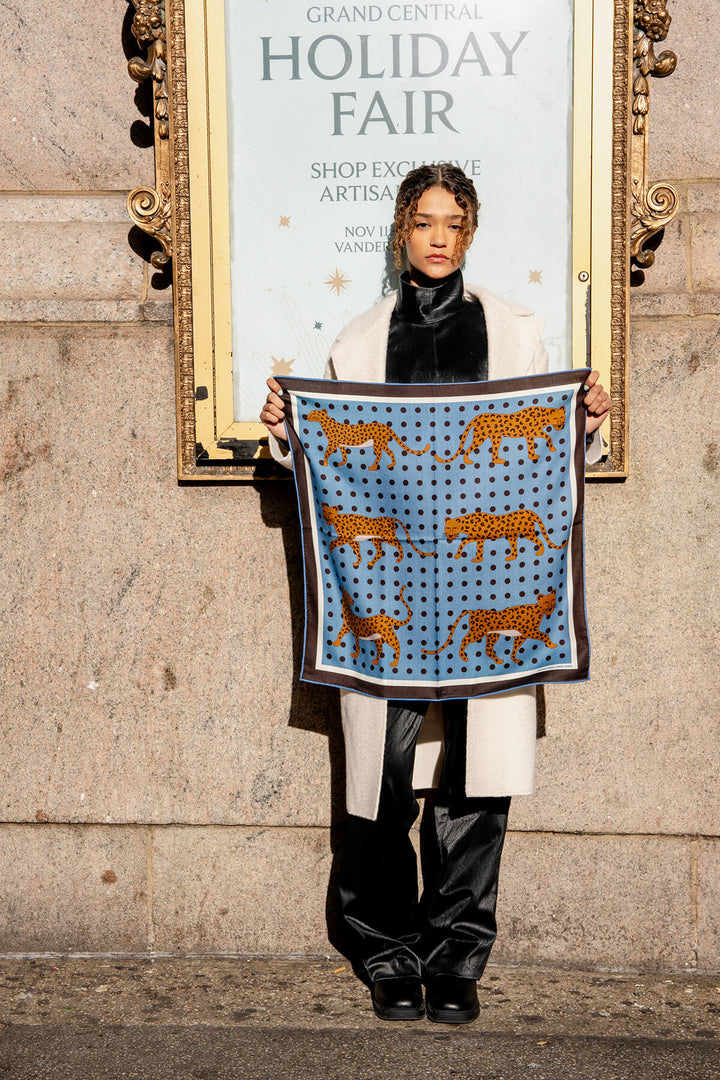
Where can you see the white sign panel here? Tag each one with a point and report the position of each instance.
(330, 105)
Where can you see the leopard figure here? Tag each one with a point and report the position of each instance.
(351, 528)
(375, 434)
(521, 622)
(378, 628)
(479, 527)
(529, 424)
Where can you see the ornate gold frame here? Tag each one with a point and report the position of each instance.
(626, 210)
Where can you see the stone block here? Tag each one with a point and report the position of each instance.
(708, 904)
(73, 889)
(703, 197)
(240, 890)
(73, 123)
(706, 304)
(596, 901)
(706, 252)
(669, 273)
(633, 749)
(158, 309)
(149, 656)
(151, 632)
(31, 207)
(684, 132)
(69, 260)
(82, 311)
(66, 258)
(650, 305)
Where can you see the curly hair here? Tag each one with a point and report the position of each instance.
(415, 184)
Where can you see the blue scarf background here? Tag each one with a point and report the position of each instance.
(412, 602)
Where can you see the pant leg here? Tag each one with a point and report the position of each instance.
(377, 880)
(464, 838)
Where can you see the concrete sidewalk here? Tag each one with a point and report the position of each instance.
(268, 1018)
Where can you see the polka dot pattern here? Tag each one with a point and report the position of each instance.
(444, 532)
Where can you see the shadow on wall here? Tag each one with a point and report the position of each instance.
(390, 273)
(141, 131)
(317, 708)
(312, 707)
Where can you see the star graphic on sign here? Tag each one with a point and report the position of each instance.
(337, 281)
(317, 326)
(535, 277)
(281, 367)
(284, 222)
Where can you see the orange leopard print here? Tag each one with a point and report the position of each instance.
(378, 628)
(376, 434)
(521, 622)
(479, 527)
(529, 424)
(351, 528)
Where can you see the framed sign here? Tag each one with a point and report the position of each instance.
(288, 128)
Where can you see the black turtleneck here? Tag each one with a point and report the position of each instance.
(436, 334)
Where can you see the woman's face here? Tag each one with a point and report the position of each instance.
(432, 246)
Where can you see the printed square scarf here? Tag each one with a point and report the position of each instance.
(442, 530)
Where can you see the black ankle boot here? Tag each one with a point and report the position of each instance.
(398, 998)
(451, 999)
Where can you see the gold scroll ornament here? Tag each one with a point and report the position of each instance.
(651, 207)
(151, 208)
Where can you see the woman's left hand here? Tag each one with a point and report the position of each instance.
(597, 403)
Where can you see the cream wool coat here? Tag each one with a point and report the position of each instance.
(501, 728)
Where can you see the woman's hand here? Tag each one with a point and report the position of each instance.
(273, 411)
(597, 403)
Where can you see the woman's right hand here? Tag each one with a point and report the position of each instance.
(273, 411)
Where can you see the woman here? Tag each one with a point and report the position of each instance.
(434, 329)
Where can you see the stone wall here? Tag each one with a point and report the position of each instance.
(165, 784)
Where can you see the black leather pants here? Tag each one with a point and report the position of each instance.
(387, 930)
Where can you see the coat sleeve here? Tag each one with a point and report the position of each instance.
(595, 448)
(280, 451)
